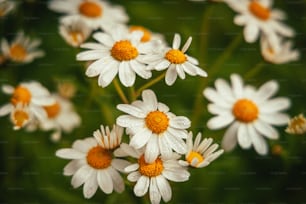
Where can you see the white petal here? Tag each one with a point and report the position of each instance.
(237, 85)
(80, 176)
(220, 121)
(176, 175)
(171, 75)
(68, 153)
(152, 149)
(258, 141)
(126, 75)
(215, 97)
(176, 41)
(229, 140)
(275, 105)
(165, 149)
(140, 69)
(141, 186)
(81, 146)
(164, 188)
(132, 167)
(134, 176)
(244, 139)
(266, 129)
(120, 164)
(90, 185)
(141, 138)
(128, 121)
(180, 122)
(176, 143)
(108, 74)
(251, 32)
(149, 98)
(132, 110)
(266, 91)
(104, 39)
(187, 44)
(118, 182)
(72, 167)
(240, 20)
(105, 181)
(275, 118)
(162, 65)
(224, 90)
(6, 109)
(155, 195)
(8, 89)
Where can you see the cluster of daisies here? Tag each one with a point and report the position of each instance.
(33, 107)
(160, 148)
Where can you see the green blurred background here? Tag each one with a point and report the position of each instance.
(29, 170)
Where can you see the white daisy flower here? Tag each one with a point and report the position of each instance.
(31, 95)
(74, 31)
(22, 49)
(284, 55)
(117, 52)
(94, 165)
(153, 125)
(6, 7)
(250, 113)
(95, 13)
(154, 176)
(297, 125)
(61, 116)
(200, 154)
(258, 16)
(175, 61)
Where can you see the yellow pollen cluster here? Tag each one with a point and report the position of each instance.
(18, 52)
(150, 170)
(245, 110)
(20, 117)
(76, 36)
(259, 11)
(90, 9)
(21, 95)
(99, 158)
(124, 51)
(297, 125)
(194, 155)
(157, 122)
(146, 33)
(176, 56)
(53, 110)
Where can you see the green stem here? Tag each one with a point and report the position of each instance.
(198, 106)
(149, 84)
(255, 70)
(132, 93)
(120, 91)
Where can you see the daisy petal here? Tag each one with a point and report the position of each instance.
(258, 141)
(230, 137)
(164, 188)
(90, 185)
(141, 186)
(155, 195)
(105, 181)
(244, 139)
(266, 129)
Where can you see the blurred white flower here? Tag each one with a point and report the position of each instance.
(284, 55)
(74, 31)
(297, 125)
(95, 13)
(258, 16)
(6, 7)
(22, 49)
(250, 113)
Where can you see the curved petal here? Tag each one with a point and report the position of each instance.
(164, 188)
(90, 185)
(141, 186)
(155, 195)
(244, 139)
(152, 149)
(220, 121)
(105, 181)
(229, 140)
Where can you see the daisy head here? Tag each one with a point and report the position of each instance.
(74, 31)
(176, 61)
(29, 96)
(94, 165)
(284, 55)
(22, 49)
(257, 16)
(200, 153)
(20, 116)
(151, 124)
(153, 177)
(95, 13)
(116, 52)
(297, 125)
(249, 113)
(61, 116)
(6, 6)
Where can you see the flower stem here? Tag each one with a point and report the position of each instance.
(198, 106)
(120, 91)
(255, 70)
(149, 84)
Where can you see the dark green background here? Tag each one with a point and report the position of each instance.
(29, 170)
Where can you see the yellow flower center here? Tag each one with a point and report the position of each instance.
(194, 155)
(20, 117)
(176, 56)
(259, 11)
(150, 170)
(157, 121)
(21, 95)
(77, 37)
(18, 52)
(123, 51)
(53, 110)
(245, 110)
(99, 158)
(146, 33)
(90, 9)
